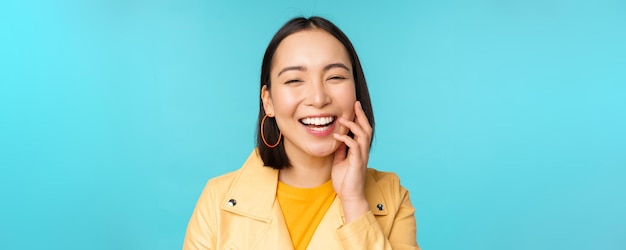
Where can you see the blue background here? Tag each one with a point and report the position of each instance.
(505, 119)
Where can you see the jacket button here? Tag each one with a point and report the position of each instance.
(380, 207)
(232, 202)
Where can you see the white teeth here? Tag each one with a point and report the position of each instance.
(319, 129)
(318, 121)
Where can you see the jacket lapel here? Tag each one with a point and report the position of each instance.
(325, 236)
(253, 191)
(253, 195)
(333, 219)
(374, 195)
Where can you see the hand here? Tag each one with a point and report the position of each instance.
(348, 171)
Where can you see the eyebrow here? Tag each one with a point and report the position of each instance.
(299, 68)
(336, 65)
(326, 68)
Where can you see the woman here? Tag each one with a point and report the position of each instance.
(307, 184)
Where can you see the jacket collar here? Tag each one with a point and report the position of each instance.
(374, 195)
(253, 191)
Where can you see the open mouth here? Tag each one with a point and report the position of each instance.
(318, 124)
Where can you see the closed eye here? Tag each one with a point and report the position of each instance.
(336, 78)
(293, 81)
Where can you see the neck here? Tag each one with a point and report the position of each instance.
(306, 171)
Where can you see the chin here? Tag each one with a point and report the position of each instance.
(323, 150)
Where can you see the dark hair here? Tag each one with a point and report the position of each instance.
(276, 157)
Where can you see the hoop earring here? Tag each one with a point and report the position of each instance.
(280, 135)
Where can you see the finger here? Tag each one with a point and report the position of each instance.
(359, 135)
(361, 118)
(350, 143)
(340, 154)
(355, 160)
(354, 127)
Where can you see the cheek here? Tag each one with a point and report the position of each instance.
(347, 97)
(349, 112)
(284, 101)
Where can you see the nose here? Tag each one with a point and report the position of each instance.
(318, 95)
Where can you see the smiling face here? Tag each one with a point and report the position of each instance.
(312, 86)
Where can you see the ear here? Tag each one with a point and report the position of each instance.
(266, 97)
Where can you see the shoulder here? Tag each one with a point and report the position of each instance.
(223, 181)
(387, 183)
(226, 178)
(250, 168)
(382, 176)
(384, 179)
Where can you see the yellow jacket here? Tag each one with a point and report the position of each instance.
(239, 211)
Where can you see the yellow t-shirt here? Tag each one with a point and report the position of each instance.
(303, 209)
